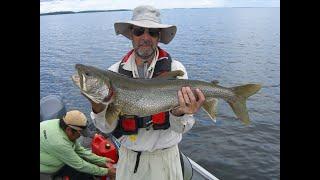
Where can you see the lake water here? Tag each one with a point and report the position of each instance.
(232, 45)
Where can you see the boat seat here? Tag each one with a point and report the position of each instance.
(51, 107)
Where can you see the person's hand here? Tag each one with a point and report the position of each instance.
(96, 107)
(109, 160)
(112, 171)
(189, 102)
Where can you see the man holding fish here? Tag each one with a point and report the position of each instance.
(152, 114)
(149, 147)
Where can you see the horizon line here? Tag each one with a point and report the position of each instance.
(110, 10)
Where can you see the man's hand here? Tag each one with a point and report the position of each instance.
(108, 162)
(189, 103)
(112, 171)
(96, 107)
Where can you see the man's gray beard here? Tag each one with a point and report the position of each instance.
(144, 55)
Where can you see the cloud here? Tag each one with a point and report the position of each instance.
(82, 5)
(252, 3)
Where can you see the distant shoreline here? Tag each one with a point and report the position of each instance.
(72, 12)
(95, 11)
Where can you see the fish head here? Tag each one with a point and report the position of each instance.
(93, 83)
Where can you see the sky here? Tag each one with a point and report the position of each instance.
(83, 5)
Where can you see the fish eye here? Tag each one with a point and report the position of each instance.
(87, 74)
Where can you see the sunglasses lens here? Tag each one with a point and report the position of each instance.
(154, 32)
(138, 31)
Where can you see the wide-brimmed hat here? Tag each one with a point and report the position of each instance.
(75, 119)
(148, 17)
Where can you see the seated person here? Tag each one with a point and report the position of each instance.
(61, 155)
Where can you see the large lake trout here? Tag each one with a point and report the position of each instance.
(144, 97)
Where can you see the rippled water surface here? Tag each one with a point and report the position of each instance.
(231, 45)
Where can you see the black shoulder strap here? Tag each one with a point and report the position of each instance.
(162, 65)
(123, 71)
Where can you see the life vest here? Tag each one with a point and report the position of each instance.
(129, 124)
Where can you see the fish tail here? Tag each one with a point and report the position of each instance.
(239, 106)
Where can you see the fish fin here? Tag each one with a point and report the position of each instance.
(210, 107)
(112, 113)
(171, 74)
(239, 105)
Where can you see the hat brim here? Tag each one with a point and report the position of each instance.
(167, 31)
(76, 127)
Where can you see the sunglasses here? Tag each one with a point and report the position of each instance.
(74, 130)
(140, 30)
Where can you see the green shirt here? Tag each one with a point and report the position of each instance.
(56, 150)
